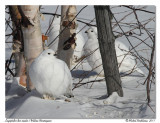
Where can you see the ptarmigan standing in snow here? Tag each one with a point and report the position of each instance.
(50, 76)
(94, 60)
(91, 50)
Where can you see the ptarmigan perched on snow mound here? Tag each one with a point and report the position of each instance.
(51, 76)
(95, 60)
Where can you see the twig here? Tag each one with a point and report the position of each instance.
(139, 9)
(139, 24)
(52, 20)
(96, 78)
(8, 24)
(78, 19)
(138, 56)
(84, 77)
(7, 64)
(151, 107)
(150, 72)
(67, 25)
(83, 57)
(80, 84)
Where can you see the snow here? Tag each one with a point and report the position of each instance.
(90, 100)
(87, 103)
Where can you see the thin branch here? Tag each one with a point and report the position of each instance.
(150, 72)
(7, 64)
(139, 57)
(67, 25)
(80, 84)
(138, 9)
(52, 20)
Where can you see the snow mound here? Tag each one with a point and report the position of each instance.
(111, 99)
(87, 102)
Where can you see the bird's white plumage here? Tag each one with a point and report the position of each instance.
(50, 76)
(94, 29)
(91, 50)
(95, 60)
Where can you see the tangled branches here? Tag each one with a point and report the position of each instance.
(132, 25)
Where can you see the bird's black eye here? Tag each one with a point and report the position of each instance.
(49, 53)
(91, 30)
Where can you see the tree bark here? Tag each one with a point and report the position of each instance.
(32, 36)
(107, 50)
(18, 45)
(67, 37)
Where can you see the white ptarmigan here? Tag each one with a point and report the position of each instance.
(91, 50)
(95, 61)
(51, 76)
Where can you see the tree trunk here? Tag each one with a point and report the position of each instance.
(32, 36)
(18, 45)
(67, 37)
(107, 50)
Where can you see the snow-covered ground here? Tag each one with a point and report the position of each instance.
(90, 100)
(87, 103)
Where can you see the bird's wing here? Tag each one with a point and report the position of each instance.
(63, 65)
(90, 46)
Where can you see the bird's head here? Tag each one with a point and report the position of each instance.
(48, 53)
(90, 33)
